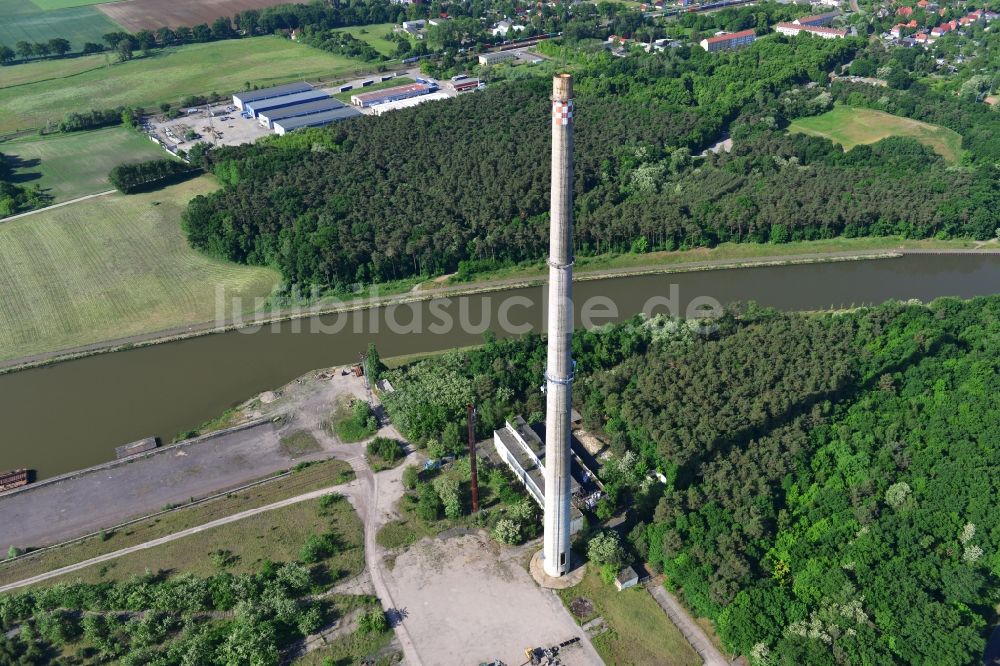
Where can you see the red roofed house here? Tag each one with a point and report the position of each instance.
(733, 40)
(897, 30)
(944, 28)
(904, 11)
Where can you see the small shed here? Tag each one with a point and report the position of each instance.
(626, 578)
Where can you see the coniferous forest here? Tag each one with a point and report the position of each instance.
(831, 490)
(417, 192)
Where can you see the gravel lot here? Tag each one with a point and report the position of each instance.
(465, 601)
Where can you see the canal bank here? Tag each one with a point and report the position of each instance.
(267, 440)
(418, 294)
(71, 415)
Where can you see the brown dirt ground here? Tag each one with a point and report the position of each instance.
(136, 15)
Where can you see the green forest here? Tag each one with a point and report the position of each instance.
(362, 202)
(832, 478)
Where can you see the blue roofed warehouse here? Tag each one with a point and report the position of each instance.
(257, 107)
(268, 118)
(240, 100)
(315, 120)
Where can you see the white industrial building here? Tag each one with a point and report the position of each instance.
(379, 109)
(497, 57)
(502, 28)
(392, 94)
(792, 29)
(522, 449)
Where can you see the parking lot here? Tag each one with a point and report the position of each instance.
(219, 125)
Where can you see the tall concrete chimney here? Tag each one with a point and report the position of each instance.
(559, 367)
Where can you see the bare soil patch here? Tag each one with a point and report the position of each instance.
(582, 607)
(136, 15)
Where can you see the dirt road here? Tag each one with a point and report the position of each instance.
(58, 205)
(40, 578)
(688, 627)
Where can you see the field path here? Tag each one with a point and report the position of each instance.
(688, 627)
(305, 497)
(58, 205)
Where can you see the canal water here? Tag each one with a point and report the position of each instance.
(71, 415)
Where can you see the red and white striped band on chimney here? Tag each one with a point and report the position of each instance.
(562, 112)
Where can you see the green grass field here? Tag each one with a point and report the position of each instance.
(640, 633)
(851, 126)
(166, 75)
(26, 21)
(73, 165)
(276, 535)
(109, 267)
(374, 35)
(316, 476)
(58, 68)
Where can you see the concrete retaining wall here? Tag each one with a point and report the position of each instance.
(131, 459)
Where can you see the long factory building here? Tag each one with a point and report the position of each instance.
(314, 120)
(268, 118)
(391, 94)
(240, 100)
(386, 107)
(256, 108)
(288, 107)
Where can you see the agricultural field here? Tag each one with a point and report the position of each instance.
(34, 71)
(26, 21)
(851, 126)
(168, 75)
(72, 165)
(374, 35)
(110, 267)
(49, 5)
(135, 15)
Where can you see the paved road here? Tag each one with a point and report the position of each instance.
(688, 627)
(315, 494)
(58, 205)
(51, 512)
